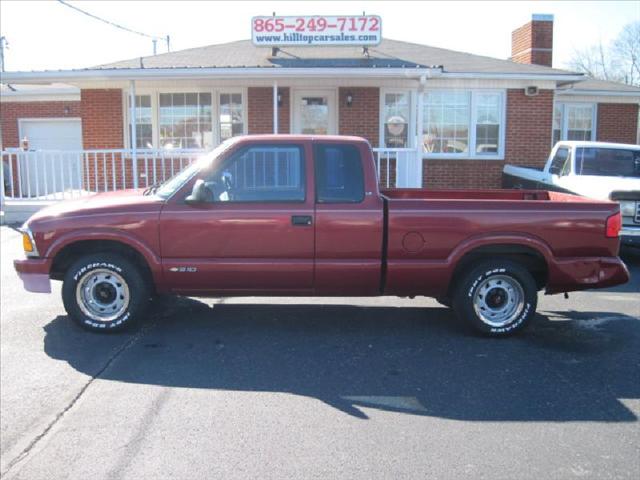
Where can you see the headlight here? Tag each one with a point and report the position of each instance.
(28, 243)
(627, 208)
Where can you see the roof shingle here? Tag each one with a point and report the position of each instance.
(389, 54)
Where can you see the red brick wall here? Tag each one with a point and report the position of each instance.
(260, 110)
(617, 122)
(528, 133)
(362, 117)
(531, 36)
(462, 174)
(527, 142)
(103, 128)
(10, 112)
(102, 118)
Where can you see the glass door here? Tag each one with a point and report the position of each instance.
(314, 112)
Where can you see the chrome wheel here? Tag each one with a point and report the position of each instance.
(498, 300)
(102, 295)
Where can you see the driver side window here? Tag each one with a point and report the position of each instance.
(260, 173)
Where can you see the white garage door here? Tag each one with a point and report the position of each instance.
(52, 134)
(59, 172)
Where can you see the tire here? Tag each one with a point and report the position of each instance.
(497, 297)
(104, 292)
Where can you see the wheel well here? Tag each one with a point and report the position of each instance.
(70, 253)
(528, 257)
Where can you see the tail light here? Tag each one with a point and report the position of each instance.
(614, 224)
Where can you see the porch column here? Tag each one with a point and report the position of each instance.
(134, 140)
(419, 140)
(275, 106)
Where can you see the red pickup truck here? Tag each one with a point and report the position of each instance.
(300, 215)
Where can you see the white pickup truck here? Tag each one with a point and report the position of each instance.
(590, 169)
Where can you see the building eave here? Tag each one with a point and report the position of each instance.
(67, 76)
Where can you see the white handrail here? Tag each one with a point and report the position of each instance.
(52, 175)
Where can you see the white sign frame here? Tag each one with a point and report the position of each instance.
(316, 30)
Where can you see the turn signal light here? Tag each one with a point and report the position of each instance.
(614, 224)
(26, 242)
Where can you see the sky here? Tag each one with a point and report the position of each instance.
(46, 35)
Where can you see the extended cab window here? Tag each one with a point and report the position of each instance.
(559, 164)
(339, 176)
(261, 173)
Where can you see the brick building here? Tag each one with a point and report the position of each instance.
(440, 118)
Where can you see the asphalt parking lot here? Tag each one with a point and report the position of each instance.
(319, 388)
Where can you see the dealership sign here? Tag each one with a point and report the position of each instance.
(316, 30)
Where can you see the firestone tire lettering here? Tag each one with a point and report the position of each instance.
(138, 291)
(465, 292)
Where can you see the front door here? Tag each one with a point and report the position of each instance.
(314, 112)
(255, 234)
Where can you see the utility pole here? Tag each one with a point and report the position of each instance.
(155, 43)
(168, 44)
(3, 44)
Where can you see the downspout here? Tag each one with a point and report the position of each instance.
(419, 118)
(275, 106)
(419, 122)
(134, 139)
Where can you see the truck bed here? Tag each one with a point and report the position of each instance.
(429, 231)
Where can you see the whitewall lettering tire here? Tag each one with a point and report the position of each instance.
(496, 297)
(104, 292)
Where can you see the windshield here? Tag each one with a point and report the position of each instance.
(609, 162)
(169, 187)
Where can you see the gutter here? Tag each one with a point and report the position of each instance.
(41, 92)
(598, 93)
(65, 76)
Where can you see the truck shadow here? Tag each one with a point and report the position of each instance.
(419, 361)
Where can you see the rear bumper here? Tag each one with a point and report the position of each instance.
(34, 274)
(630, 236)
(585, 273)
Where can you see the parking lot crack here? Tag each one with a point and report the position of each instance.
(35, 441)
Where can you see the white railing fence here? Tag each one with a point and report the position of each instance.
(49, 175)
(398, 167)
(58, 175)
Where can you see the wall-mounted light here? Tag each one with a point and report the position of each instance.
(279, 99)
(67, 110)
(349, 99)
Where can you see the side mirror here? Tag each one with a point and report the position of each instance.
(200, 194)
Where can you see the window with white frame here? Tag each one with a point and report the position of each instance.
(185, 120)
(230, 116)
(446, 120)
(488, 114)
(574, 121)
(396, 118)
(144, 121)
(463, 124)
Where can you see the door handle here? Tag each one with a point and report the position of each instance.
(301, 220)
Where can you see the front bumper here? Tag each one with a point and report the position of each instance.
(34, 273)
(584, 273)
(630, 236)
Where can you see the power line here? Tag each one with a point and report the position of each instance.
(108, 22)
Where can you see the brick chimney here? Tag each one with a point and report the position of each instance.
(532, 43)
